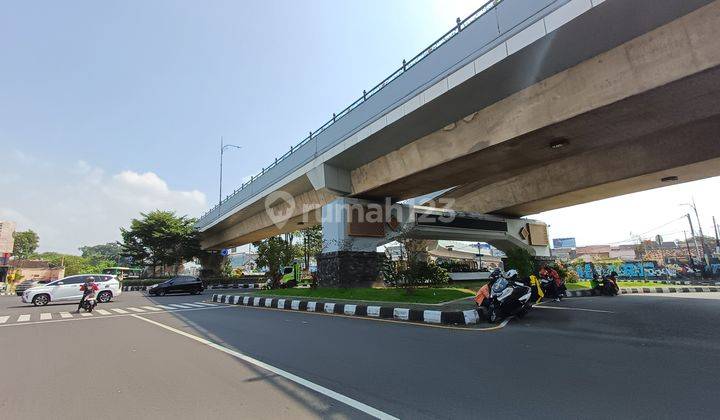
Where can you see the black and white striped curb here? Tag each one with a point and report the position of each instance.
(640, 290)
(214, 286)
(468, 317)
(678, 282)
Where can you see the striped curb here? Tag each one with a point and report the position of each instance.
(640, 290)
(468, 317)
(214, 286)
(675, 282)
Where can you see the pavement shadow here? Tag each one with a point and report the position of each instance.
(310, 400)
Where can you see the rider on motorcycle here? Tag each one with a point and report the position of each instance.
(88, 288)
(557, 286)
(482, 297)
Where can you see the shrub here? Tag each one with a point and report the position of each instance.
(399, 274)
(521, 260)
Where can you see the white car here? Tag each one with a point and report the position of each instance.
(68, 289)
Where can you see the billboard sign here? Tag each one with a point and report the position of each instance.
(564, 243)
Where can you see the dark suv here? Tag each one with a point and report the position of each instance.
(180, 284)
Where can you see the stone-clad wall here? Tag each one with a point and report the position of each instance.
(348, 268)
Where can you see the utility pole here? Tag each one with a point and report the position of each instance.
(222, 152)
(687, 244)
(692, 232)
(702, 236)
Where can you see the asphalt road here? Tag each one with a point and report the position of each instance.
(629, 356)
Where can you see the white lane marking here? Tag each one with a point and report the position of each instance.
(193, 305)
(165, 307)
(135, 309)
(573, 309)
(24, 318)
(287, 375)
(102, 311)
(45, 316)
(118, 311)
(86, 314)
(3, 319)
(65, 315)
(205, 304)
(53, 321)
(151, 308)
(175, 305)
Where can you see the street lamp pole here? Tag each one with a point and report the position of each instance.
(223, 146)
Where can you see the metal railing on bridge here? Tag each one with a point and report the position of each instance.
(215, 212)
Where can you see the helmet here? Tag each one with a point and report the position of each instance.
(614, 274)
(496, 274)
(511, 274)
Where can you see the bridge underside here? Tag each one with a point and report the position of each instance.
(619, 122)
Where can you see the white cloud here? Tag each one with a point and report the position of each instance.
(74, 205)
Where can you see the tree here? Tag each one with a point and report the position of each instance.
(161, 238)
(312, 243)
(75, 264)
(26, 242)
(521, 260)
(108, 252)
(274, 253)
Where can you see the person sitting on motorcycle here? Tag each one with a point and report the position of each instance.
(482, 298)
(88, 288)
(557, 286)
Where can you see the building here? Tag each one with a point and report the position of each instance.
(623, 252)
(593, 252)
(36, 270)
(7, 229)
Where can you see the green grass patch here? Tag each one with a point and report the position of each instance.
(429, 295)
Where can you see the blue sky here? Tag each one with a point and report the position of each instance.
(115, 107)
(152, 85)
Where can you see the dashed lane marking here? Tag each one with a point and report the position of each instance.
(48, 316)
(135, 309)
(24, 320)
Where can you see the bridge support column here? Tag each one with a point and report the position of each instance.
(211, 264)
(348, 260)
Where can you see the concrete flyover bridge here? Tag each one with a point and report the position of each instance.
(525, 106)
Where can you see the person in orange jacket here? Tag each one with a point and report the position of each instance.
(482, 298)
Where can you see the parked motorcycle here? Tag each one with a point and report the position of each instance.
(607, 285)
(508, 297)
(550, 288)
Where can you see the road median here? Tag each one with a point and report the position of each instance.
(428, 316)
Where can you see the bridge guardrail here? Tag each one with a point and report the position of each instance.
(508, 14)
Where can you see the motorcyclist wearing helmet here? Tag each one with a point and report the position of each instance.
(482, 298)
(88, 288)
(557, 286)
